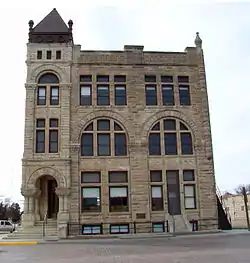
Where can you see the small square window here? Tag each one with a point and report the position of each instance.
(49, 54)
(58, 54)
(188, 175)
(91, 229)
(53, 123)
(85, 78)
(39, 54)
(102, 78)
(119, 229)
(166, 79)
(119, 78)
(90, 177)
(150, 78)
(40, 123)
(158, 227)
(183, 79)
(156, 176)
(118, 177)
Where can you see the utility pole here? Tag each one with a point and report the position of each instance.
(246, 207)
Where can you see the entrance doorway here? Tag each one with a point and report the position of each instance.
(48, 202)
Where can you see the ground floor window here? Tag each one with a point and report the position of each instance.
(119, 229)
(91, 229)
(158, 227)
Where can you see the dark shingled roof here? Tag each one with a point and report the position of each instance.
(52, 23)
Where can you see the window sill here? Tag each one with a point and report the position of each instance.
(103, 157)
(172, 156)
(119, 213)
(91, 212)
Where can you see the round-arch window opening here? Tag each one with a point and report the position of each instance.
(48, 78)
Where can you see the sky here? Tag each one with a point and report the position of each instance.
(158, 25)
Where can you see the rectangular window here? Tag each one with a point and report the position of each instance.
(85, 95)
(186, 143)
(92, 229)
(39, 54)
(118, 199)
(173, 192)
(167, 95)
(90, 177)
(41, 96)
(103, 95)
(53, 123)
(120, 144)
(189, 197)
(184, 95)
(102, 78)
(119, 229)
(154, 144)
(87, 145)
(49, 54)
(58, 54)
(53, 141)
(150, 78)
(118, 177)
(188, 175)
(119, 78)
(151, 95)
(40, 123)
(158, 227)
(120, 95)
(167, 79)
(156, 176)
(183, 79)
(40, 141)
(103, 144)
(85, 78)
(54, 95)
(91, 199)
(157, 198)
(170, 141)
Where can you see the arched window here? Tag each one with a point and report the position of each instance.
(103, 137)
(48, 83)
(170, 137)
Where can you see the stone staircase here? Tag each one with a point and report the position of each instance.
(35, 232)
(181, 224)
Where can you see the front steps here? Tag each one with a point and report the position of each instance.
(35, 232)
(180, 222)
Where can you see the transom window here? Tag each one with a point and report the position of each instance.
(48, 89)
(103, 137)
(170, 137)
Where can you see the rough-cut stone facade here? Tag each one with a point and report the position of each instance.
(135, 118)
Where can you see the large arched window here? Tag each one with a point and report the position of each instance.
(48, 83)
(103, 137)
(170, 137)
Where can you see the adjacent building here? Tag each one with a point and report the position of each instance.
(115, 141)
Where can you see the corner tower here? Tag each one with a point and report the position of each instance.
(46, 165)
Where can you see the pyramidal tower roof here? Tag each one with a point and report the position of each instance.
(52, 29)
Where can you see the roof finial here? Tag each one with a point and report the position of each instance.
(70, 23)
(31, 24)
(198, 41)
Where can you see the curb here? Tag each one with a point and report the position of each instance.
(20, 243)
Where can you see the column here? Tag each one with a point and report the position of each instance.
(63, 214)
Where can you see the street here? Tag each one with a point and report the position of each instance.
(219, 249)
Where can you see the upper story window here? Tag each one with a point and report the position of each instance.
(150, 90)
(184, 90)
(85, 90)
(103, 137)
(49, 54)
(170, 137)
(120, 90)
(48, 84)
(58, 54)
(39, 54)
(167, 90)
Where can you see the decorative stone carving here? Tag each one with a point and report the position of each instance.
(28, 192)
(62, 191)
(75, 147)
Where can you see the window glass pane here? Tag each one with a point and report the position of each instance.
(103, 141)
(54, 91)
(118, 191)
(90, 177)
(186, 143)
(89, 127)
(183, 126)
(156, 127)
(170, 143)
(123, 229)
(168, 95)
(48, 78)
(120, 95)
(91, 192)
(40, 123)
(91, 199)
(188, 175)
(40, 141)
(118, 177)
(117, 127)
(189, 203)
(103, 125)
(155, 176)
(53, 122)
(184, 95)
(189, 190)
(158, 227)
(183, 79)
(154, 144)
(53, 141)
(102, 95)
(150, 78)
(41, 91)
(119, 78)
(87, 145)
(102, 78)
(156, 191)
(120, 144)
(85, 90)
(169, 125)
(166, 79)
(151, 95)
(58, 54)
(85, 78)
(119, 229)
(85, 96)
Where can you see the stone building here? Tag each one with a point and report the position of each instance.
(115, 137)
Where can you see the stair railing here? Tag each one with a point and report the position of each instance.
(45, 222)
(223, 204)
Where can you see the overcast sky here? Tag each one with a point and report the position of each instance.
(224, 29)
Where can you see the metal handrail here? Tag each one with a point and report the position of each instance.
(223, 203)
(45, 222)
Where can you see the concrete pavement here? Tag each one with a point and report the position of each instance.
(205, 249)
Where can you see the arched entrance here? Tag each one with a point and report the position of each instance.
(47, 202)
